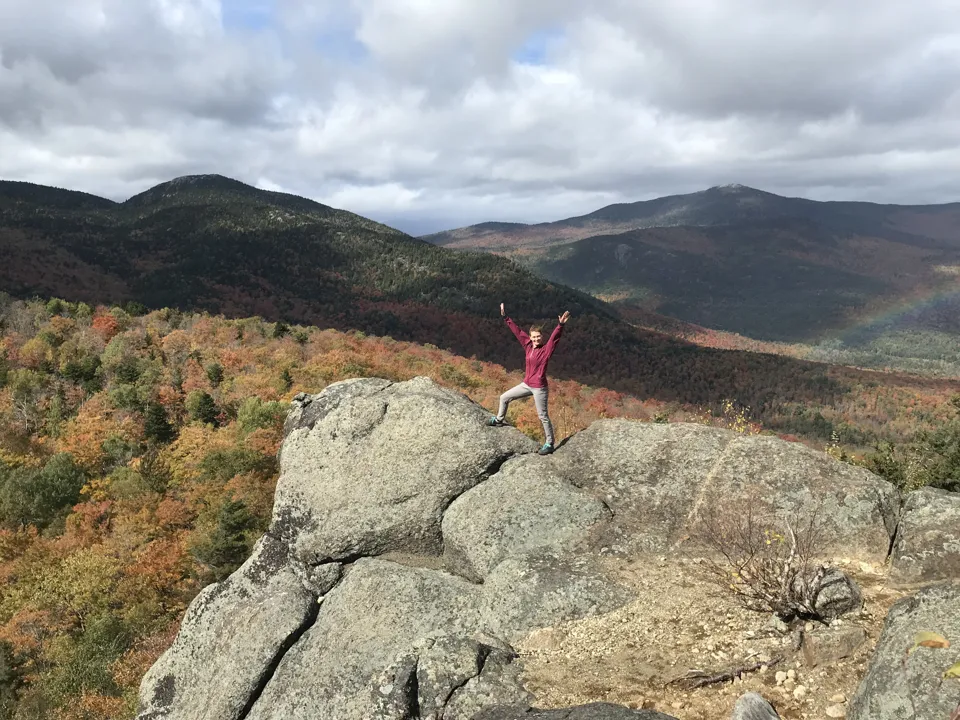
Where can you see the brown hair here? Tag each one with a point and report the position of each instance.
(536, 328)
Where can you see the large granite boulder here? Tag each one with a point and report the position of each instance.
(653, 478)
(378, 611)
(902, 686)
(370, 466)
(229, 640)
(411, 545)
(522, 508)
(927, 546)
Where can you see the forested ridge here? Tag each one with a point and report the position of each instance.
(215, 244)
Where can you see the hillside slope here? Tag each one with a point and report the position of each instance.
(211, 243)
(929, 225)
(764, 266)
(779, 280)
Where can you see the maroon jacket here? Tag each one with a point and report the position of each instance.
(537, 358)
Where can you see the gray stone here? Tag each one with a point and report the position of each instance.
(307, 410)
(446, 664)
(369, 467)
(824, 593)
(837, 595)
(593, 711)
(831, 644)
(540, 590)
(654, 477)
(499, 683)
(377, 613)
(395, 691)
(927, 546)
(318, 579)
(520, 509)
(896, 689)
(752, 706)
(448, 678)
(229, 638)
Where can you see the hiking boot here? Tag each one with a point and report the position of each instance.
(546, 449)
(496, 422)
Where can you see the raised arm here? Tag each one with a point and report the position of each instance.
(520, 334)
(557, 332)
(554, 337)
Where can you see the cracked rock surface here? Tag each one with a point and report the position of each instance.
(232, 634)
(653, 477)
(411, 545)
(927, 547)
(898, 685)
(376, 468)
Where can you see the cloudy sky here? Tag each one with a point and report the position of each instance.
(431, 114)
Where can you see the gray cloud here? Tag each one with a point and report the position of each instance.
(426, 114)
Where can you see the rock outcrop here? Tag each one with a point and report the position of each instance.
(753, 707)
(369, 467)
(927, 546)
(411, 546)
(901, 685)
(653, 477)
(229, 640)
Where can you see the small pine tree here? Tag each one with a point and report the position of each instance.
(156, 426)
(55, 306)
(200, 406)
(215, 373)
(10, 679)
(227, 546)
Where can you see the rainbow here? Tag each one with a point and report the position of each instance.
(920, 301)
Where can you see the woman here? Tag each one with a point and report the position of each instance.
(535, 378)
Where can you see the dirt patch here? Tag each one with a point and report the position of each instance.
(636, 655)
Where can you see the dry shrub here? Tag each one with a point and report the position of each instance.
(765, 559)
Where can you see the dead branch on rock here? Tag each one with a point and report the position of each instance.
(765, 561)
(698, 678)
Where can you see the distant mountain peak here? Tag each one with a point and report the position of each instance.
(207, 181)
(187, 186)
(199, 179)
(734, 188)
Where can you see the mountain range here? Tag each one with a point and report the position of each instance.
(215, 244)
(751, 262)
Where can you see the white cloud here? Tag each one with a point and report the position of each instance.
(427, 113)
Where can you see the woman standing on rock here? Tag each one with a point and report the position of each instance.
(535, 378)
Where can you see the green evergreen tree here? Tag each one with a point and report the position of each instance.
(156, 426)
(32, 497)
(10, 681)
(200, 406)
(228, 546)
(215, 373)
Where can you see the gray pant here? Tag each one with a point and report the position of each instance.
(539, 398)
